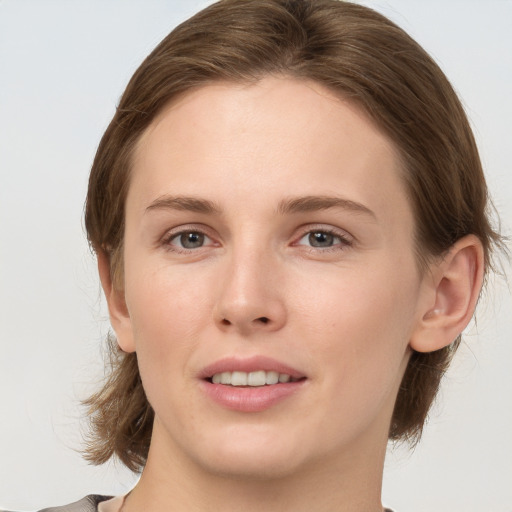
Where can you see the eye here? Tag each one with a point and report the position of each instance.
(188, 240)
(323, 239)
(320, 239)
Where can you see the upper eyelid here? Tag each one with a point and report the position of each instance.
(335, 234)
(332, 230)
(186, 228)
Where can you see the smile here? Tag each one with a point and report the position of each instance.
(254, 379)
(252, 384)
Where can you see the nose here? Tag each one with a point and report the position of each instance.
(251, 295)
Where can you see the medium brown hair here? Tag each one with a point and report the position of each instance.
(364, 58)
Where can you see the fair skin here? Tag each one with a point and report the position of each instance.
(270, 220)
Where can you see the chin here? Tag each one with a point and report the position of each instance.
(251, 469)
(252, 456)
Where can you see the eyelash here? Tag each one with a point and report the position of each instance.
(343, 241)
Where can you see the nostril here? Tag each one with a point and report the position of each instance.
(262, 320)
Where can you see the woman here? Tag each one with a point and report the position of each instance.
(289, 215)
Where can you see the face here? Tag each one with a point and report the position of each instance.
(268, 238)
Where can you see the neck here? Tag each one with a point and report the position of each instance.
(351, 483)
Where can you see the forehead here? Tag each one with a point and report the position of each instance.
(291, 110)
(280, 135)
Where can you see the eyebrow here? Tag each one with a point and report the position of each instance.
(317, 203)
(191, 204)
(287, 206)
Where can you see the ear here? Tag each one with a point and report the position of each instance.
(451, 290)
(118, 311)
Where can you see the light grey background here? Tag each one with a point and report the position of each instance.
(63, 66)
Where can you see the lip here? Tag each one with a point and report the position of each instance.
(249, 399)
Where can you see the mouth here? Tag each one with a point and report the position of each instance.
(254, 379)
(250, 385)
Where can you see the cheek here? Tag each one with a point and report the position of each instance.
(161, 298)
(360, 326)
(167, 314)
(376, 300)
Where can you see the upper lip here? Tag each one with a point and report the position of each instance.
(251, 364)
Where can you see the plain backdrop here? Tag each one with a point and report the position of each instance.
(63, 66)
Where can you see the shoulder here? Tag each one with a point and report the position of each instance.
(87, 504)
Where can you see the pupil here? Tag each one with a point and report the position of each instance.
(191, 240)
(320, 239)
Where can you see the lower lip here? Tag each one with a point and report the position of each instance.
(250, 399)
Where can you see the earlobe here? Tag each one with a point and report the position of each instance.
(451, 294)
(118, 311)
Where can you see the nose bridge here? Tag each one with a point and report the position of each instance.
(250, 297)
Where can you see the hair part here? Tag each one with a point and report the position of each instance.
(362, 57)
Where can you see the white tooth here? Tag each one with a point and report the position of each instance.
(283, 377)
(256, 378)
(239, 379)
(225, 378)
(216, 378)
(272, 378)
